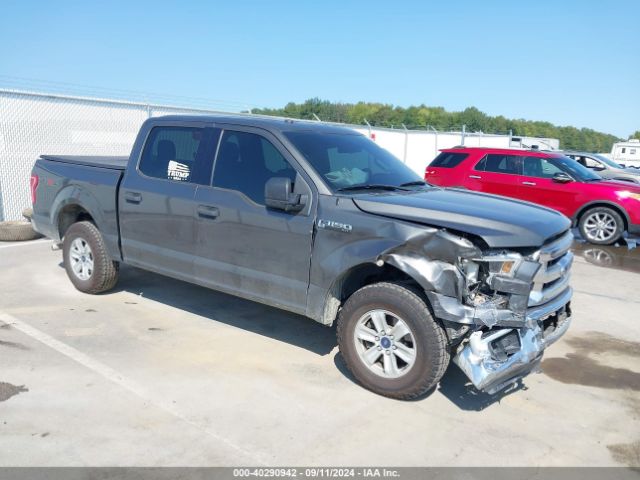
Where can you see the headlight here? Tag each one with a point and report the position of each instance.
(480, 271)
(628, 194)
(500, 264)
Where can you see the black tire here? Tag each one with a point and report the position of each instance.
(104, 275)
(432, 355)
(17, 231)
(617, 218)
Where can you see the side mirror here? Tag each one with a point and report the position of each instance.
(561, 177)
(597, 169)
(278, 194)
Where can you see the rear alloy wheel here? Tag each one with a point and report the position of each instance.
(601, 226)
(81, 259)
(86, 260)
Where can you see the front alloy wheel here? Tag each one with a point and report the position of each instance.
(385, 343)
(390, 342)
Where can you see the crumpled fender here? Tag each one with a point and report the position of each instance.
(431, 258)
(428, 254)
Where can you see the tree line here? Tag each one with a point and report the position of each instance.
(423, 117)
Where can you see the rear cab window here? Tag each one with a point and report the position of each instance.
(179, 154)
(448, 159)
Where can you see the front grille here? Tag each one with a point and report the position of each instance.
(555, 270)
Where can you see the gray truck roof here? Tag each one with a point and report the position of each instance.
(268, 123)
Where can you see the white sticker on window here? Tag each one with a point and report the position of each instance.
(178, 171)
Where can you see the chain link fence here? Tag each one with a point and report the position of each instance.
(32, 124)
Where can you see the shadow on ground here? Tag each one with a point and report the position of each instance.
(454, 386)
(247, 315)
(457, 388)
(281, 326)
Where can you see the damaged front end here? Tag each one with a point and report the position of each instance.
(500, 309)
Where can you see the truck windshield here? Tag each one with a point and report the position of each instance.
(347, 161)
(576, 170)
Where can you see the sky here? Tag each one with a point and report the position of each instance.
(568, 62)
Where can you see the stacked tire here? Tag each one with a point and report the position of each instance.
(18, 230)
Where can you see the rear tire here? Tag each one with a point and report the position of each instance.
(601, 226)
(378, 352)
(86, 259)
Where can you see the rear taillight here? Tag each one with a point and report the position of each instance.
(34, 185)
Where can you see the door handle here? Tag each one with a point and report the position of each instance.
(207, 211)
(533, 184)
(133, 197)
(475, 176)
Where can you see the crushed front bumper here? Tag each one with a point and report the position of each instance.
(496, 358)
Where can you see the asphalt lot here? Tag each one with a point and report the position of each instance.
(159, 372)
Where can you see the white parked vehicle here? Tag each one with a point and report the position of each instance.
(627, 153)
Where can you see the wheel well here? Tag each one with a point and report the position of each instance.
(69, 215)
(607, 205)
(361, 276)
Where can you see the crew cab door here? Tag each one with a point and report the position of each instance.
(242, 246)
(156, 197)
(539, 187)
(499, 174)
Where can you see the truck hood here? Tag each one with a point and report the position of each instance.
(500, 222)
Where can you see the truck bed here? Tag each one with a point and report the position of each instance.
(113, 163)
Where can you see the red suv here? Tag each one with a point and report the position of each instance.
(602, 209)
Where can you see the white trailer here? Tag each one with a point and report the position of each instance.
(627, 153)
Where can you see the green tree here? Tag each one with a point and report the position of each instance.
(423, 116)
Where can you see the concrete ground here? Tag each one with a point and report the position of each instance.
(159, 372)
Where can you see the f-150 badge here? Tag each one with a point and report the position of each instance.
(331, 225)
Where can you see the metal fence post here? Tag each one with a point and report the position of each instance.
(436, 143)
(406, 142)
(369, 126)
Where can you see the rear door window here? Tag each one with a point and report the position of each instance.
(500, 163)
(179, 154)
(448, 159)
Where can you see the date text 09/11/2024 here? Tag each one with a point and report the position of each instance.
(323, 472)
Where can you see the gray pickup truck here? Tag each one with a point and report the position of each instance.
(320, 221)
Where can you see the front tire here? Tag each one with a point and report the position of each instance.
(390, 342)
(86, 259)
(601, 226)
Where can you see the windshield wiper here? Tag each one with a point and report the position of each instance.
(371, 186)
(414, 183)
